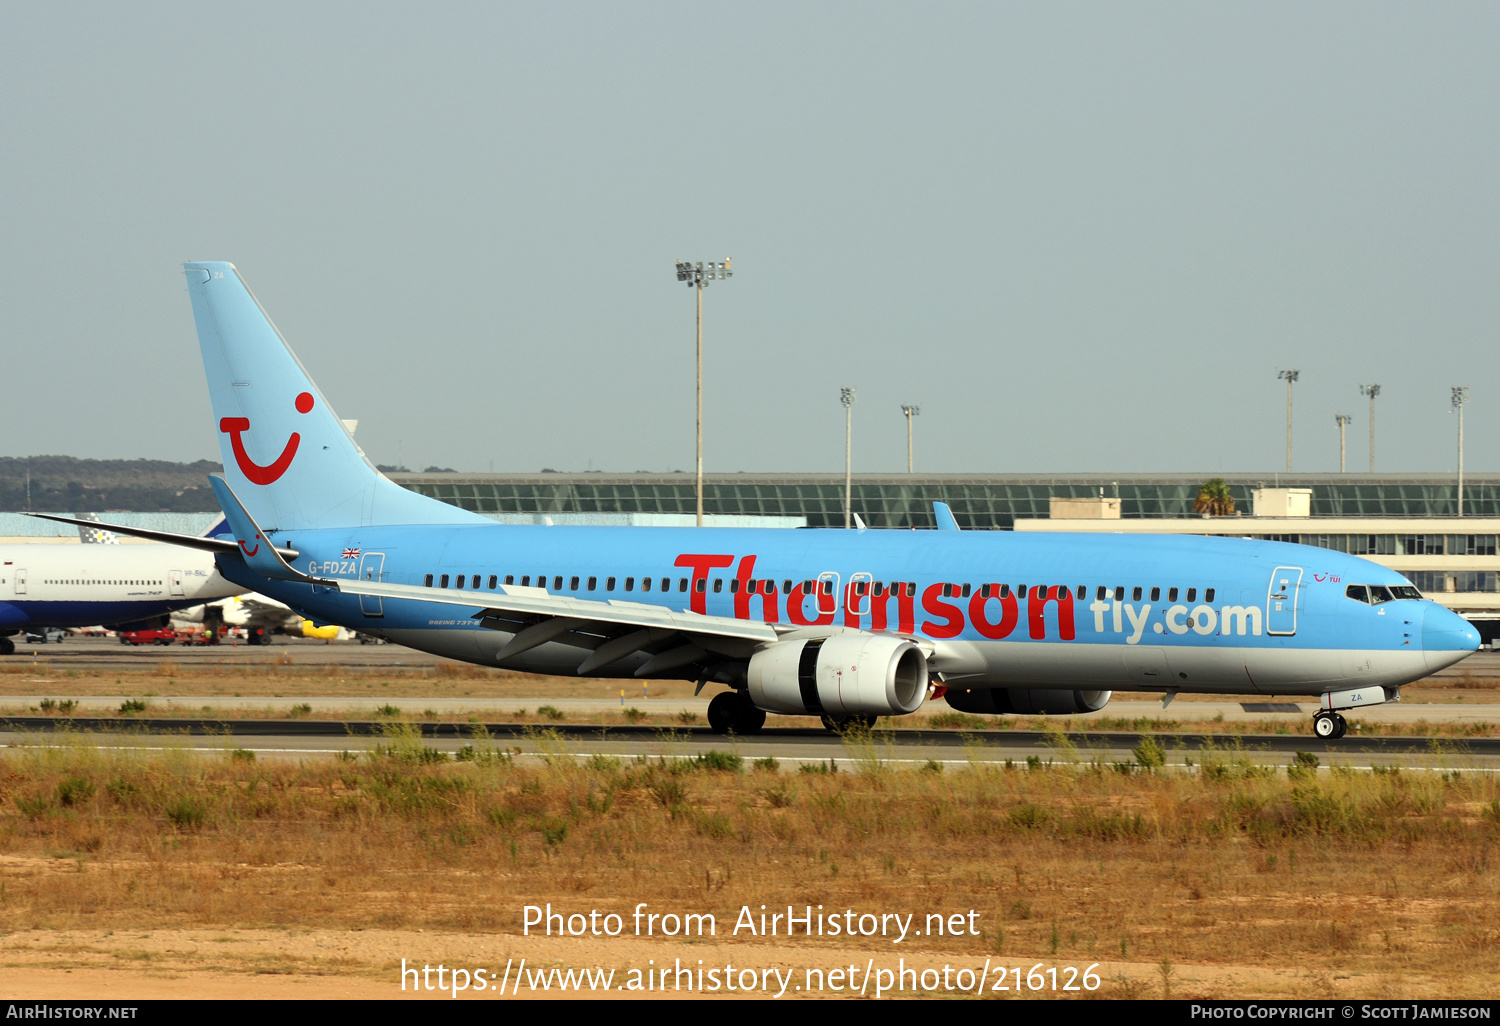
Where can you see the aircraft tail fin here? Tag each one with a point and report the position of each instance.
(287, 456)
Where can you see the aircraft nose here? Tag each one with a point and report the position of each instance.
(1446, 637)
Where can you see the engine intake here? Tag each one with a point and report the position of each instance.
(1027, 701)
(841, 675)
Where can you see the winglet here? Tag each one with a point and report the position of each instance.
(944, 515)
(255, 547)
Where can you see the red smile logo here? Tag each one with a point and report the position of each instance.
(249, 551)
(234, 427)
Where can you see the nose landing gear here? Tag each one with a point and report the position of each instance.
(1330, 725)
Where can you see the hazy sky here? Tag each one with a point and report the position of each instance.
(1084, 237)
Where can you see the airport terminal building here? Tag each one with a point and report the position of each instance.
(1408, 522)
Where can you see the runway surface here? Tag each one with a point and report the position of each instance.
(311, 738)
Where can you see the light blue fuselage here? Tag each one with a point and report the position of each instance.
(1145, 633)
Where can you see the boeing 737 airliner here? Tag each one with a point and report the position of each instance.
(838, 624)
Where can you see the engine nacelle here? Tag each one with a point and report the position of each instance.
(841, 675)
(1026, 701)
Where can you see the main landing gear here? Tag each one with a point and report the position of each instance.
(732, 711)
(1330, 725)
(7, 647)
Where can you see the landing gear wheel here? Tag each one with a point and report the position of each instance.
(7, 647)
(747, 718)
(1325, 725)
(721, 712)
(1343, 725)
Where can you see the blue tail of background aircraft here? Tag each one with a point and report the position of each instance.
(286, 455)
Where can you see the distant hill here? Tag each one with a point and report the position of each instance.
(61, 483)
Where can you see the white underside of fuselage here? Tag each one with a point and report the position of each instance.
(1008, 664)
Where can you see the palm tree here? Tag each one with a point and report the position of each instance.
(1214, 499)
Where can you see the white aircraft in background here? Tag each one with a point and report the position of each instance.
(257, 615)
(122, 587)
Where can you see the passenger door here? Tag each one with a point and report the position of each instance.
(372, 568)
(1281, 600)
(174, 578)
(20, 578)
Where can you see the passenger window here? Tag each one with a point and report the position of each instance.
(444, 583)
(1135, 594)
(475, 585)
(1358, 592)
(827, 587)
(557, 583)
(734, 585)
(1172, 595)
(494, 581)
(1192, 595)
(786, 587)
(593, 583)
(718, 585)
(682, 584)
(609, 584)
(1155, 594)
(1005, 591)
(1081, 592)
(1119, 593)
(573, 584)
(510, 579)
(525, 580)
(428, 582)
(966, 591)
(1208, 595)
(946, 591)
(630, 584)
(1021, 591)
(645, 584)
(807, 587)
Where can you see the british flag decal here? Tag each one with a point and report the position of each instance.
(350, 554)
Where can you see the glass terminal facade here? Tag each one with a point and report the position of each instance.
(979, 501)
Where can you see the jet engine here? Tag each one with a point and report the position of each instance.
(1027, 701)
(840, 676)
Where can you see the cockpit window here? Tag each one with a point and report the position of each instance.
(1406, 591)
(1379, 593)
(1358, 592)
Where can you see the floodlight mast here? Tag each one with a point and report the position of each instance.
(847, 397)
(1290, 377)
(1372, 391)
(1460, 397)
(910, 412)
(698, 275)
(1343, 420)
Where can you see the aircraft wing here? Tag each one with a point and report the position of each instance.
(612, 629)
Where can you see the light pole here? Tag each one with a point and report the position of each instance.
(1343, 420)
(846, 396)
(698, 276)
(1372, 391)
(1290, 377)
(1460, 396)
(910, 411)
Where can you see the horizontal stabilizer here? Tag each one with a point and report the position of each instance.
(191, 541)
(254, 547)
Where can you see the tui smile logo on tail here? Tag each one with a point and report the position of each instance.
(234, 427)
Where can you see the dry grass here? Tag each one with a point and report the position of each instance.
(1355, 876)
